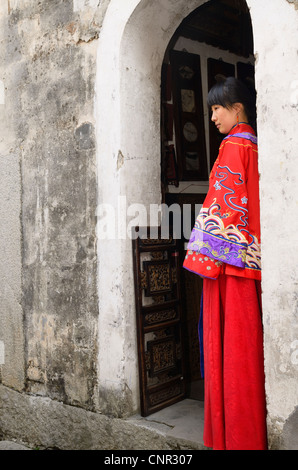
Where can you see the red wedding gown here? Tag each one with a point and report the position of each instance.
(224, 249)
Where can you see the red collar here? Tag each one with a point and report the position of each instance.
(242, 127)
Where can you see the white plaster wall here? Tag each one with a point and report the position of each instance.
(112, 252)
(275, 25)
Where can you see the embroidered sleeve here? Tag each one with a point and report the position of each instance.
(222, 229)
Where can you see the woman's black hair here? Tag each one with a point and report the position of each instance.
(229, 91)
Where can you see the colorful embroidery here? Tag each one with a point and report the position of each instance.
(227, 244)
(222, 231)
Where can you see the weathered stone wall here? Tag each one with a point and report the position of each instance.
(48, 65)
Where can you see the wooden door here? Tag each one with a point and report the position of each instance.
(159, 321)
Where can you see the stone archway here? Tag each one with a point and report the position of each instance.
(127, 104)
(128, 136)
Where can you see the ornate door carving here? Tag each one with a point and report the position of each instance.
(159, 322)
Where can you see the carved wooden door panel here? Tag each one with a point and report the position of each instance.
(159, 321)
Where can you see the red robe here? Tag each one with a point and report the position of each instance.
(226, 235)
(224, 248)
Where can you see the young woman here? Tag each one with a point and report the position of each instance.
(224, 248)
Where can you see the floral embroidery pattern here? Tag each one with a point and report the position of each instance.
(227, 229)
(227, 244)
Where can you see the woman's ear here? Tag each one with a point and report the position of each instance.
(238, 107)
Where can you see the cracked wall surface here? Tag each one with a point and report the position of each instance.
(48, 65)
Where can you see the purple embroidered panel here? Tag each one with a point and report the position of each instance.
(218, 248)
(244, 135)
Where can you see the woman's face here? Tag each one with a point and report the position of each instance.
(224, 118)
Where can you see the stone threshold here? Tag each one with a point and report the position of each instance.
(39, 422)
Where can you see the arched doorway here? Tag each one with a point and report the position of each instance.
(129, 169)
(215, 40)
